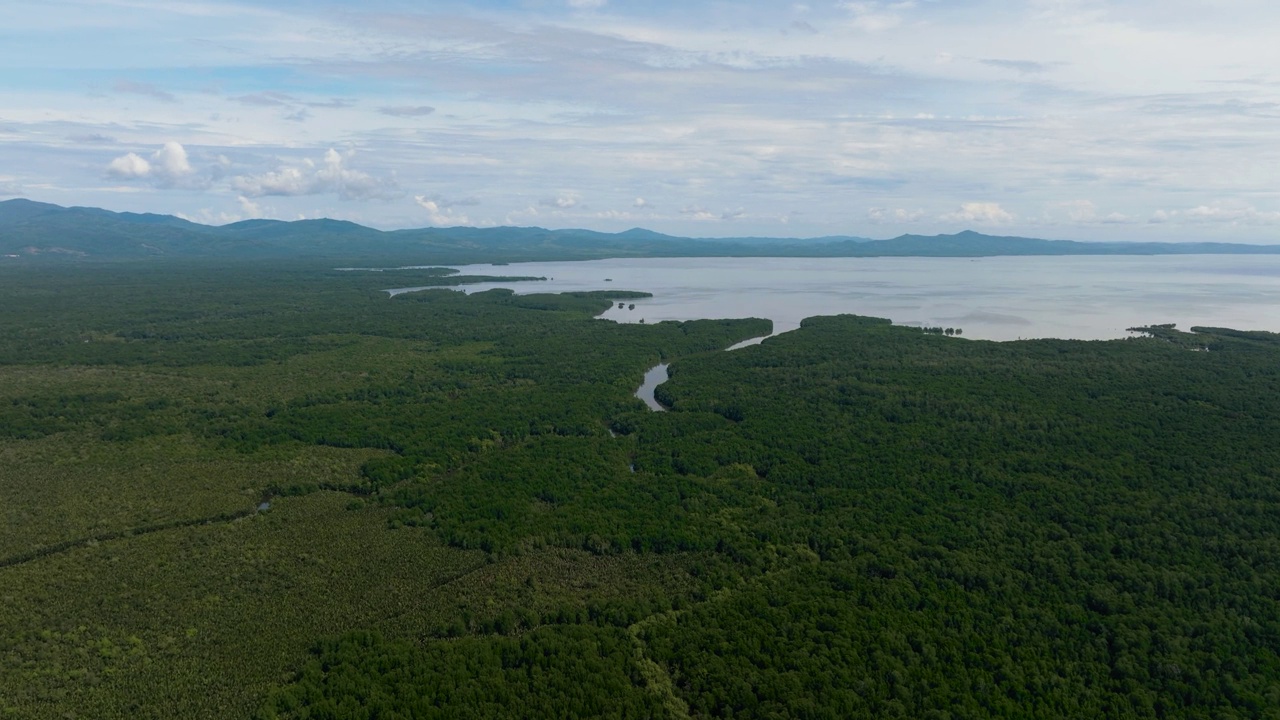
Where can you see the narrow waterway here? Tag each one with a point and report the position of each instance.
(748, 343)
(658, 375)
(652, 379)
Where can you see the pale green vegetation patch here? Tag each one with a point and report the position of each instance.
(73, 486)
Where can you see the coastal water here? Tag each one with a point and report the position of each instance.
(1002, 298)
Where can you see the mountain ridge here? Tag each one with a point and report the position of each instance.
(33, 229)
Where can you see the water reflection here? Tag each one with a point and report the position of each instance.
(1001, 298)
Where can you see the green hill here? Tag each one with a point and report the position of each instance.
(41, 230)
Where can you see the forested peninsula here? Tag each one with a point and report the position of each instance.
(271, 491)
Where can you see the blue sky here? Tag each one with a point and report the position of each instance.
(1082, 119)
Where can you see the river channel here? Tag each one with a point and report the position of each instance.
(652, 379)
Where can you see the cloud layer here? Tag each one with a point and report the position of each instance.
(1087, 119)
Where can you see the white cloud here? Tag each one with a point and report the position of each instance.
(1229, 213)
(894, 215)
(439, 214)
(615, 215)
(1224, 213)
(641, 203)
(171, 161)
(515, 217)
(697, 212)
(1085, 212)
(129, 166)
(587, 4)
(286, 181)
(987, 213)
(330, 176)
(167, 167)
(249, 208)
(563, 201)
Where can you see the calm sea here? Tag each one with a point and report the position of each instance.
(1002, 298)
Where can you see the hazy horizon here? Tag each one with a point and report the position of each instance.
(750, 239)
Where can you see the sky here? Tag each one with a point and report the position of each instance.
(1075, 119)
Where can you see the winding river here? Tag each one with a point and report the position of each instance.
(657, 375)
(652, 379)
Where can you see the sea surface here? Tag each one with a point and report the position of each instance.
(1000, 298)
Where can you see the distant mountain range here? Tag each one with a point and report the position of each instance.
(31, 229)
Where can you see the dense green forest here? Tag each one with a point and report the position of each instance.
(274, 492)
